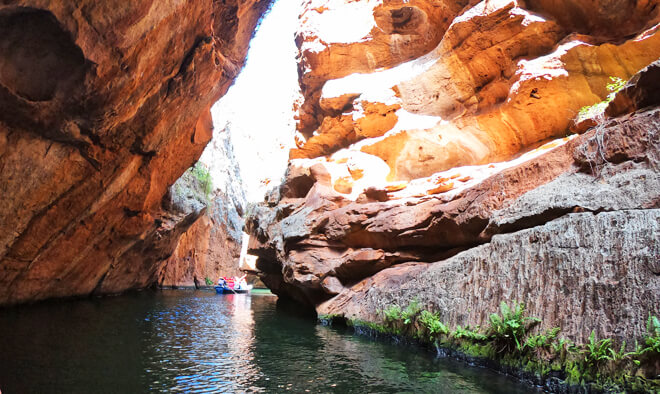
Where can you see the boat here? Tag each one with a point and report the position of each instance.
(232, 286)
(228, 290)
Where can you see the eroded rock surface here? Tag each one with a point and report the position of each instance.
(581, 270)
(442, 165)
(501, 77)
(104, 105)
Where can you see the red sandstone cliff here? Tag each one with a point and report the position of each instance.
(435, 161)
(103, 105)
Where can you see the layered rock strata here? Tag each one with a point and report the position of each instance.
(446, 170)
(104, 105)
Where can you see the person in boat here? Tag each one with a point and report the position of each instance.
(222, 282)
(242, 284)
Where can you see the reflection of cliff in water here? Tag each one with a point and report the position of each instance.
(205, 344)
(194, 341)
(298, 355)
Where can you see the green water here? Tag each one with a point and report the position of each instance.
(197, 341)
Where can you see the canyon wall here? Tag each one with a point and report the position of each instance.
(214, 190)
(104, 104)
(435, 161)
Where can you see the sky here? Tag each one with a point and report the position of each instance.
(258, 107)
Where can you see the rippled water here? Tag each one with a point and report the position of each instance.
(197, 341)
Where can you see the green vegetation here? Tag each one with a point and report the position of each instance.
(508, 328)
(467, 333)
(594, 110)
(652, 339)
(543, 340)
(392, 313)
(509, 340)
(195, 184)
(411, 311)
(208, 281)
(596, 352)
(432, 323)
(203, 176)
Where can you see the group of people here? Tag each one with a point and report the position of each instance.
(234, 283)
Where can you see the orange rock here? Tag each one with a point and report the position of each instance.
(443, 187)
(395, 187)
(343, 185)
(112, 109)
(356, 173)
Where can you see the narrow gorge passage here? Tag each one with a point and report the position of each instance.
(422, 195)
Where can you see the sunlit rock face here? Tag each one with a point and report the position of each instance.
(104, 104)
(435, 159)
(435, 85)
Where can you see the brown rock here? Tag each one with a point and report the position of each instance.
(327, 231)
(104, 106)
(568, 272)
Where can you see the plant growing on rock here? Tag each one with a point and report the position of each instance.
(596, 352)
(542, 340)
(392, 313)
(467, 333)
(594, 110)
(652, 339)
(203, 176)
(509, 327)
(411, 311)
(432, 323)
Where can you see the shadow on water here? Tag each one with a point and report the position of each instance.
(196, 341)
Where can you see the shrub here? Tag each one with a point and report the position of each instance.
(203, 176)
(208, 281)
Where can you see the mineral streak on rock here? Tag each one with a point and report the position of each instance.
(434, 161)
(104, 105)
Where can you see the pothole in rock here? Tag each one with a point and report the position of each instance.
(37, 57)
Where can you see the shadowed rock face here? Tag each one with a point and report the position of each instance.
(442, 165)
(104, 105)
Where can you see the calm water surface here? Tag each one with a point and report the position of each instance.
(197, 341)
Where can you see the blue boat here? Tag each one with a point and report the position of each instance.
(227, 290)
(232, 286)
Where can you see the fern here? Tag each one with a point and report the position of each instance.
(509, 328)
(433, 324)
(466, 333)
(542, 341)
(596, 352)
(411, 311)
(652, 338)
(392, 313)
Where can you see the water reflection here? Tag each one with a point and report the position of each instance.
(185, 341)
(203, 346)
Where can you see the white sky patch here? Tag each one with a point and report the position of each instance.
(349, 23)
(258, 107)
